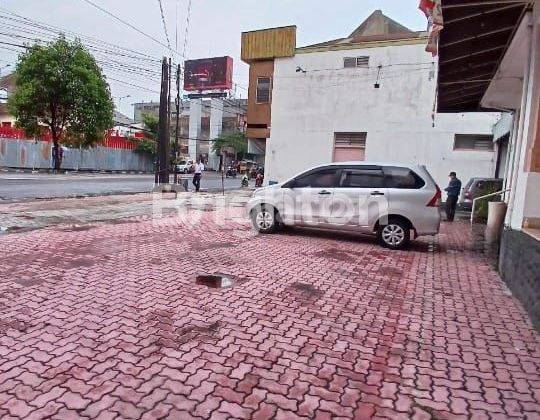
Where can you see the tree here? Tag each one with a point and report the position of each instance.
(148, 144)
(152, 125)
(236, 141)
(60, 87)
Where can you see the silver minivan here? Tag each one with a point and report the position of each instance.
(396, 202)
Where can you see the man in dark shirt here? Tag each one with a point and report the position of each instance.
(453, 190)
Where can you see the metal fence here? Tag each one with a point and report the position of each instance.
(37, 154)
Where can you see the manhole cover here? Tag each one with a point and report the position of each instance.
(214, 281)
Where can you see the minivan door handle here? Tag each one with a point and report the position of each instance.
(377, 193)
(324, 192)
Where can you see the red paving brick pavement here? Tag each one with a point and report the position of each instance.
(109, 322)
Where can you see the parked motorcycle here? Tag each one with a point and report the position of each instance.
(231, 172)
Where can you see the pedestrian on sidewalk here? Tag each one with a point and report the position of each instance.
(197, 174)
(453, 190)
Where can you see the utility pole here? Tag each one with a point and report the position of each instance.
(175, 148)
(164, 126)
(169, 76)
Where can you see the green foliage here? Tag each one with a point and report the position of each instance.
(151, 124)
(481, 208)
(146, 146)
(236, 141)
(60, 87)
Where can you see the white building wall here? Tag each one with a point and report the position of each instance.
(525, 199)
(307, 108)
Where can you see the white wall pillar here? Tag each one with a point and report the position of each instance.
(216, 125)
(195, 115)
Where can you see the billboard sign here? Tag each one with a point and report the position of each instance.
(208, 74)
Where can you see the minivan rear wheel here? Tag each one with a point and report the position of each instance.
(395, 234)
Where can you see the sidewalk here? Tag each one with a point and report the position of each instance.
(107, 320)
(37, 214)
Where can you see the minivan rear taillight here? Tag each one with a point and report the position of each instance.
(436, 200)
(468, 195)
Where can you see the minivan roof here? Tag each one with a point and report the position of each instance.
(363, 162)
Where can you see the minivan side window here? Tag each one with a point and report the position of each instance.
(322, 178)
(402, 178)
(362, 178)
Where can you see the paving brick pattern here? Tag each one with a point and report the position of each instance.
(108, 322)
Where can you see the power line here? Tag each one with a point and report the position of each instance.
(129, 25)
(132, 84)
(110, 63)
(60, 31)
(164, 24)
(14, 45)
(95, 47)
(188, 22)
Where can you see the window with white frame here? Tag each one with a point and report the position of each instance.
(352, 62)
(476, 142)
(264, 88)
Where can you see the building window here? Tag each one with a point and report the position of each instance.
(362, 178)
(351, 62)
(349, 146)
(477, 142)
(264, 87)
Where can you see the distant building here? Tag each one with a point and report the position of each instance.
(123, 125)
(368, 96)
(234, 114)
(7, 86)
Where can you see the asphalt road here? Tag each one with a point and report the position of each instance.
(21, 186)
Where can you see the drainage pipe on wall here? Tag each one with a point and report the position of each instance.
(522, 114)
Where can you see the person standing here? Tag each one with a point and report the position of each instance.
(453, 190)
(197, 174)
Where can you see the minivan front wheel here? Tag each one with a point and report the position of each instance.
(264, 219)
(395, 234)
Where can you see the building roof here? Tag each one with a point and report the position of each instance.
(377, 27)
(472, 44)
(8, 82)
(120, 118)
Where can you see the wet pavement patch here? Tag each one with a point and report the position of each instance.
(307, 289)
(334, 254)
(80, 262)
(28, 282)
(122, 221)
(77, 228)
(390, 271)
(12, 324)
(214, 281)
(204, 247)
(25, 216)
(169, 336)
(14, 229)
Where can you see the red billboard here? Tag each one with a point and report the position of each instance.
(208, 74)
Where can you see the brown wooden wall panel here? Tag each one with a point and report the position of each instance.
(269, 43)
(260, 114)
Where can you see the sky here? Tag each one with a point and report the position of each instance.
(214, 30)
